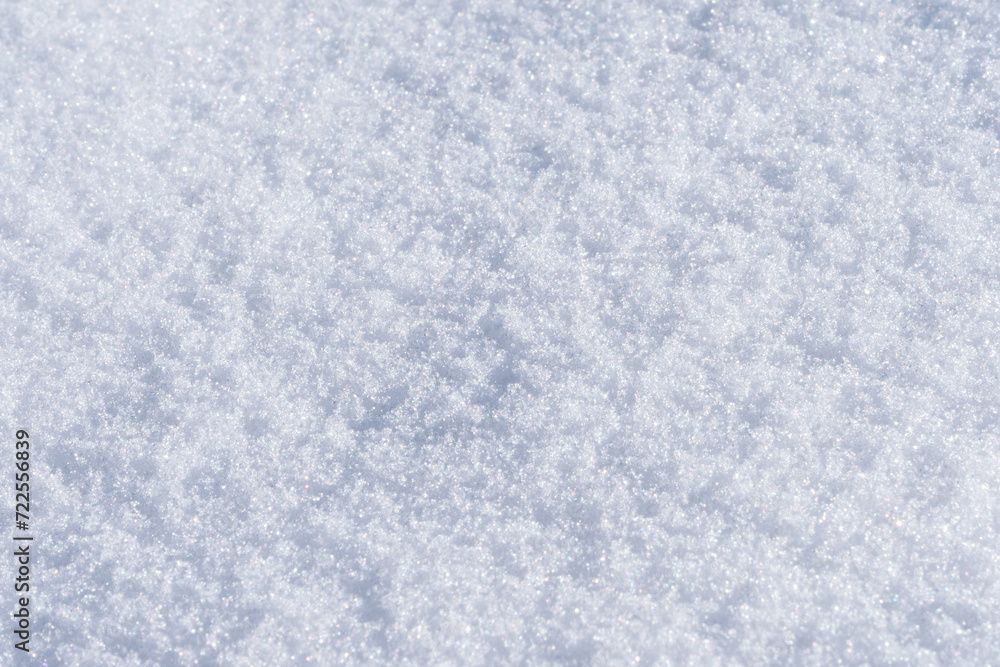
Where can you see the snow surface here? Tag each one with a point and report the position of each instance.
(493, 332)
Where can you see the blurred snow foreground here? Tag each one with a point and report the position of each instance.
(504, 333)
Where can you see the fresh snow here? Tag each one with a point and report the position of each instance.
(494, 332)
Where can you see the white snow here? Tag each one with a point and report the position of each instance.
(494, 332)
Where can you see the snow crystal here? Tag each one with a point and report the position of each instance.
(496, 332)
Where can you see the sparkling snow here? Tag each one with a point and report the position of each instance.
(494, 332)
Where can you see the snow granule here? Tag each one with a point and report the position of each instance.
(495, 332)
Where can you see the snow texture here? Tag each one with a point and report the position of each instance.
(496, 332)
